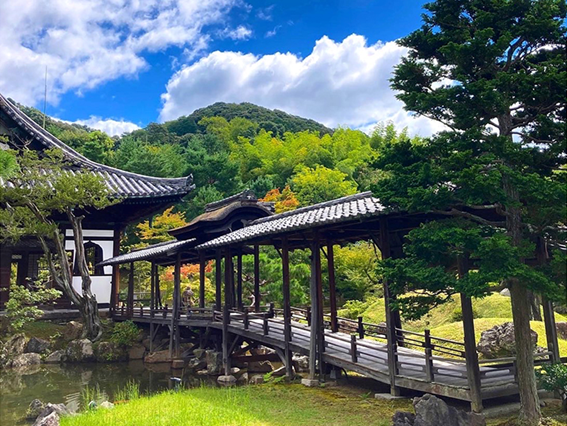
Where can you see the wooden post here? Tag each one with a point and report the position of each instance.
(152, 290)
(228, 279)
(428, 360)
(218, 280)
(202, 266)
(256, 278)
(354, 357)
(239, 282)
(316, 337)
(550, 330)
(115, 280)
(360, 328)
(286, 309)
(174, 330)
(159, 303)
(5, 274)
(471, 356)
(391, 333)
(225, 322)
(332, 286)
(130, 300)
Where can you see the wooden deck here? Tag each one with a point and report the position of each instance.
(416, 368)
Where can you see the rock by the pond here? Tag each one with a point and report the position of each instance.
(499, 341)
(73, 330)
(106, 405)
(505, 292)
(257, 379)
(197, 364)
(25, 360)
(51, 419)
(16, 345)
(243, 379)
(279, 372)
(260, 367)
(300, 363)
(214, 362)
(199, 353)
(229, 380)
(401, 418)
(37, 345)
(262, 350)
(80, 350)
(55, 357)
(137, 351)
(430, 410)
(561, 329)
(157, 357)
(35, 408)
(109, 352)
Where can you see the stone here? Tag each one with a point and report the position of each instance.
(257, 379)
(262, 350)
(199, 353)
(177, 364)
(55, 357)
(401, 418)
(214, 362)
(235, 371)
(197, 364)
(561, 329)
(260, 367)
(243, 379)
(16, 345)
(300, 363)
(51, 419)
(109, 352)
(430, 410)
(137, 351)
(35, 408)
(388, 396)
(106, 405)
(500, 342)
(202, 373)
(229, 380)
(505, 292)
(80, 350)
(25, 360)
(38, 346)
(73, 330)
(157, 357)
(311, 383)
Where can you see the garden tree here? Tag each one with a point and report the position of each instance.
(8, 163)
(28, 208)
(156, 230)
(313, 186)
(355, 271)
(195, 206)
(284, 201)
(161, 160)
(494, 73)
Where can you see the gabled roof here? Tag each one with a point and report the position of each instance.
(147, 253)
(121, 183)
(343, 209)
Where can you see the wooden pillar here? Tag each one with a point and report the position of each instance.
(228, 287)
(202, 266)
(115, 281)
(286, 309)
(5, 274)
(256, 278)
(174, 328)
(23, 269)
(159, 303)
(228, 279)
(332, 286)
(152, 289)
(391, 334)
(316, 337)
(218, 280)
(130, 297)
(239, 281)
(471, 355)
(550, 329)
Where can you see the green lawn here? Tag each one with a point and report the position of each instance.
(246, 406)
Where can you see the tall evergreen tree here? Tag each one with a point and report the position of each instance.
(494, 73)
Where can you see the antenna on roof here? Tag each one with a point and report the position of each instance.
(45, 98)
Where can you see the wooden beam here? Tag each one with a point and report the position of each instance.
(239, 281)
(256, 278)
(550, 329)
(115, 281)
(130, 300)
(228, 279)
(332, 286)
(174, 330)
(5, 274)
(287, 310)
(218, 280)
(202, 266)
(153, 274)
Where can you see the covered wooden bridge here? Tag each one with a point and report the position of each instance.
(385, 352)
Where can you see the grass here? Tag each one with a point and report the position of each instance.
(42, 329)
(264, 405)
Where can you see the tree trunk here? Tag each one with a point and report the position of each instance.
(535, 306)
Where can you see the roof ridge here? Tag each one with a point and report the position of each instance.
(324, 204)
(245, 195)
(50, 140)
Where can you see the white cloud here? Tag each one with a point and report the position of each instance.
(265, 14)
(85, 43)
(338, 83)
(108, 125)
(273, 32)
(239, 33)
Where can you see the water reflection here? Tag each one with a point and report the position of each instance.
(55, 384)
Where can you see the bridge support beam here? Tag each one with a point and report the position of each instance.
(239, 303)
(202, 266)
(256, 278)
(174, 328)
(218, 280)
(286, 310)
(332, 286)
(130, 299)
(316, 337)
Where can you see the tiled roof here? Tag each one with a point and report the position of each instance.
(340, 210)
(121, 183)
(147, 253)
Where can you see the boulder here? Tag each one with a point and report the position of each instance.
(197, 364)
(199, 353)
(107, 405)
(260, 367)
(157, 357)
(73, 330)
(257, 379)
(243, 379)
(35, 408)
(80, 350)
(25, 360)
(401, 418)
(15, 346)
(262, 350)
(38, 346)
(430, 410)
(109, 352)
(499, 341)
(214, 362)
(561, 329)
(229, 380)
(55, 357)
(300, 363)
(51, 419)
(505, 292)
(137, 351)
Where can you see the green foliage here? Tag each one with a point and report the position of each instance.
(8, 163)
(22, 307)
(130, 392)
(553, 378)
(90, 395)
(314, 186)
(125, 334)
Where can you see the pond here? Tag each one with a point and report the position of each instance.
(63, 383)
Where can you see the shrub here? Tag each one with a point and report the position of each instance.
(22, 306)
(125, 333)
(457, 314)
(553, 378)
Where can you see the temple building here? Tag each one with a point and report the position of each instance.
(141, 196)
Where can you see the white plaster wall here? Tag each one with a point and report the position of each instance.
(100, 287)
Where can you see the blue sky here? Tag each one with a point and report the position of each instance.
(125, 65)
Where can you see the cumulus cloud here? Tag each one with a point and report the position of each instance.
(108, 125)
(338, 83)
(239, 33)
(84, 43)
